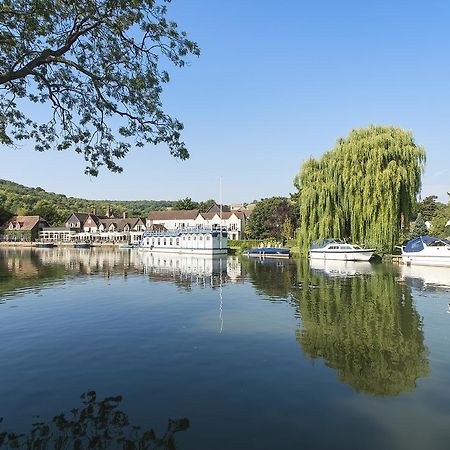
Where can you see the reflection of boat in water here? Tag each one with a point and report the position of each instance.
(338, 250)
(183, 264)
(427, 250)
(267, 252)
(429, 276)
(341, 268)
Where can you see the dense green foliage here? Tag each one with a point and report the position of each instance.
(362, 189)
(274, 217)
(427, 207)
(188, 203)
(94, 71)
(439, 227)
(56, 208)
(420, 228)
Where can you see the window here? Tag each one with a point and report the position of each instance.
(159, 241)
(200, 238)
(165, 241)
(170, 241)
(177, 241)
(208, 238)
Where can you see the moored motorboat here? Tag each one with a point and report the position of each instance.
(333, 249)
(82, 245)
(44, 244)
(267, 252)
(427, 251)
(125, 246)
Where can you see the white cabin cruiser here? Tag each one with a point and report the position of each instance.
(333, 249)
(427, 251)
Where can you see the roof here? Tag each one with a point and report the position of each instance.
(27, 223)
(119, 223)
(216, 208)
(225, 215)
(173, 214)
(416, 245)
(81, 216)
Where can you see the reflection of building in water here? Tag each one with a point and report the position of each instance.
(341, 268)
(426, 276)
(198, 269)
(90, 260)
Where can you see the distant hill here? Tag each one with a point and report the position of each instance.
(22, 200)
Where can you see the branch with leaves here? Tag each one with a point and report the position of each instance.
(94, 70)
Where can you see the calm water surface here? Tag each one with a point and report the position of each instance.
(226, 353)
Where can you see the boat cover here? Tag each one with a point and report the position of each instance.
(416, 245)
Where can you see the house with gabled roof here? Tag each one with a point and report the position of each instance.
(234, 221)
(23, 228)
(173, 219)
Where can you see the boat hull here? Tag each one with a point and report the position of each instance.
(426, 260)
(45, 244)
(353, 255)
(82, 245)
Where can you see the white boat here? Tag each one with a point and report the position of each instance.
(340, 251)
(427, 251)
(202, 240)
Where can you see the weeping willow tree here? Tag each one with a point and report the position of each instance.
(362, 189)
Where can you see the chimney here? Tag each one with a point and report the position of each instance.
(94, 211)
(124, 215)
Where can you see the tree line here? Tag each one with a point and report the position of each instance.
(16, 199)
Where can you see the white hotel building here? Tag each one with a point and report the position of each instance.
(234, 221)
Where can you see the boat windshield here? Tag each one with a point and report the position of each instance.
(324, 242)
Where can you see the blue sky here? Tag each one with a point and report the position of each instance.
(276, 83)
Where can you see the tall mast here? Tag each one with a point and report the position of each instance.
(221, 218)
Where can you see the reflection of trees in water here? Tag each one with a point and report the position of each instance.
(21, 269)
(271, 277)
(366, 328)
(97, 425)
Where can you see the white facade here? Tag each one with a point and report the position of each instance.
(188, 240)
(234, 222)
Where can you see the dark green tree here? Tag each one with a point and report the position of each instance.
(96, 69)
(420, 228)
(427, 207)
(185, 203)
(439, 221)
(204, 206)
(269, 217)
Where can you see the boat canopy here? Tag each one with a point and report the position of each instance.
(324, 242)
(416, 245)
